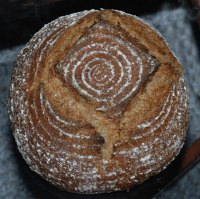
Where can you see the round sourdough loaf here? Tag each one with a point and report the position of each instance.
(98, 102)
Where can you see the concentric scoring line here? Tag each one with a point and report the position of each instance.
(104, 66)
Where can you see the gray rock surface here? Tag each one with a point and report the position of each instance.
(176, 28)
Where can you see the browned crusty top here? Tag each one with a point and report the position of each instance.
(98, 102)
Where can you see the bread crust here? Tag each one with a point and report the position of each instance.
(83, 132)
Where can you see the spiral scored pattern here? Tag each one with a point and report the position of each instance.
(106, 67)
(58, 134)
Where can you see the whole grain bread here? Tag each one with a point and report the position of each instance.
(98, 102)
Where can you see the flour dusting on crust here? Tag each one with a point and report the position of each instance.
(104, 71)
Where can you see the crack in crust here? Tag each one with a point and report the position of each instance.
(107, 67)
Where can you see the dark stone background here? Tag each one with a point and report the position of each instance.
(176, 26)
